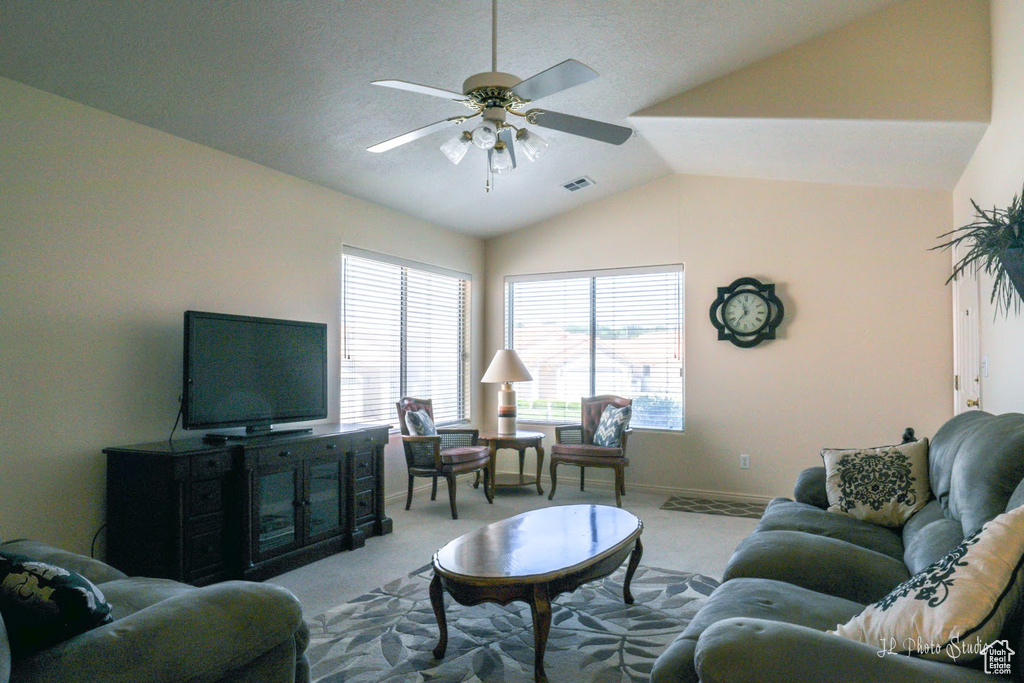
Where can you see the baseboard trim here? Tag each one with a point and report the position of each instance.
(563, 481)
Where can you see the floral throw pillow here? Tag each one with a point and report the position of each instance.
(613, 422)
(420, 423)
(43, 604)
(953, 609)
(884, 485)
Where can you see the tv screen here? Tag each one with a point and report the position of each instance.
(242, 371)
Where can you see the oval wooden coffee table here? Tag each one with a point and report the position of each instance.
(534, 557)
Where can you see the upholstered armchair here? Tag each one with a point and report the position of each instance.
(598, 441)
(432, 452)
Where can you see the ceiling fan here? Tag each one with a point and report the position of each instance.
(493, 96)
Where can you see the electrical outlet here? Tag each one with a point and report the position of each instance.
(744, 462)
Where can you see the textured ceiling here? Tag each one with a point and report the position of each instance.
(286, 84)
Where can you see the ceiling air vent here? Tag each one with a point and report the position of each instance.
(578, 184)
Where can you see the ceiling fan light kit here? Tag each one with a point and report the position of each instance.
(493, 95)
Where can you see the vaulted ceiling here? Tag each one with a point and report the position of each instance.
(820, 90)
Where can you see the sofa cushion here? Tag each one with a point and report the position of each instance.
(43, 604)
(987, 469)
(756, 599)
(614, 421)
(884, 486)
(932, 543)
(789, 515)
(952, 609)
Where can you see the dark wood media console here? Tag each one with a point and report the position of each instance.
(201, 513)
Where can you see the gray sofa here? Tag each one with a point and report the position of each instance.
(805, 570)
(167, 632)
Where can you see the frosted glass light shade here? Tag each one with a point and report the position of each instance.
(507, 366)
(531, 144)
(500, 159)
(456, 147)
(484, 136)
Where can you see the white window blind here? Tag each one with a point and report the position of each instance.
(405, 332)
(604, 332)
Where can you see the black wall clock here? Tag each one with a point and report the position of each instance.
(747, 312)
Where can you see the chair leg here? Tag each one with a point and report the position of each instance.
(623, 479)
(433, 489)
(451, 494)
(487, 489)
(582, 472)
(476, 484)
(408, 498)
(554, 478)
(619, 486)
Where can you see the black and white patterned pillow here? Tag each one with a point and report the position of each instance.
(955, 607)
(43, 604)
(420, 423)
(884, 485)
(613, 422)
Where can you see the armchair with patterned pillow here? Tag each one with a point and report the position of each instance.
(598, 441)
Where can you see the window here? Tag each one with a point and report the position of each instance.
(405, 332)
(603, 332)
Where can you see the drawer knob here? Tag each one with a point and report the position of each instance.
(284, 454)
(332, 446)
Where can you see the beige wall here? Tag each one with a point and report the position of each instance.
(992, 178)
(864, 350)
(109, 232)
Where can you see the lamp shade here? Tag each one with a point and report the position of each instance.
(506, 366)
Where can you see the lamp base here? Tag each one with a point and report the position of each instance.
(506, 410)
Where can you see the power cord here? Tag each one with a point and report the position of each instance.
(181, 409)
(92, 546)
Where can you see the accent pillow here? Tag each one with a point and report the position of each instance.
(420, 423)
(884, 485)
(613, 422)
(955, 607)
(43, 604)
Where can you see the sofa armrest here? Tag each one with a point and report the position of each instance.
(819, 563)
(740, 650)
(810, 488)
(5, 655)
(198, 636)
(94, 570)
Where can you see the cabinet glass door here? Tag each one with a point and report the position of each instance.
(277, 510)
(324, 498)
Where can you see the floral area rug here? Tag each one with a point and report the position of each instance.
(389, 633)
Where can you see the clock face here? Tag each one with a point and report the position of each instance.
(745, 312)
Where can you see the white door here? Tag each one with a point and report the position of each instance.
(966, 343)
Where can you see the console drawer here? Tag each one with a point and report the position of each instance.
(208, 466)
(206, 496)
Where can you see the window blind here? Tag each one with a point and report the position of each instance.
(404, 333)
(605, 332)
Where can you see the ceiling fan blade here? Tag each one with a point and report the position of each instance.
(415, 134)
(421, 89)
(577, 125)
(506, 136)
(557, 78)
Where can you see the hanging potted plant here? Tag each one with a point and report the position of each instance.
(994, 245)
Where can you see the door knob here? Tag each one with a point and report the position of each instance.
(973, 403)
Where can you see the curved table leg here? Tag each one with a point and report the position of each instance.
(540, 467)
(541, 609)
(634, 562)
(437, 602)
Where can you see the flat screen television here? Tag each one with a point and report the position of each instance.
(243, 371)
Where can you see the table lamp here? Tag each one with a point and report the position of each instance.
(506, 367)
